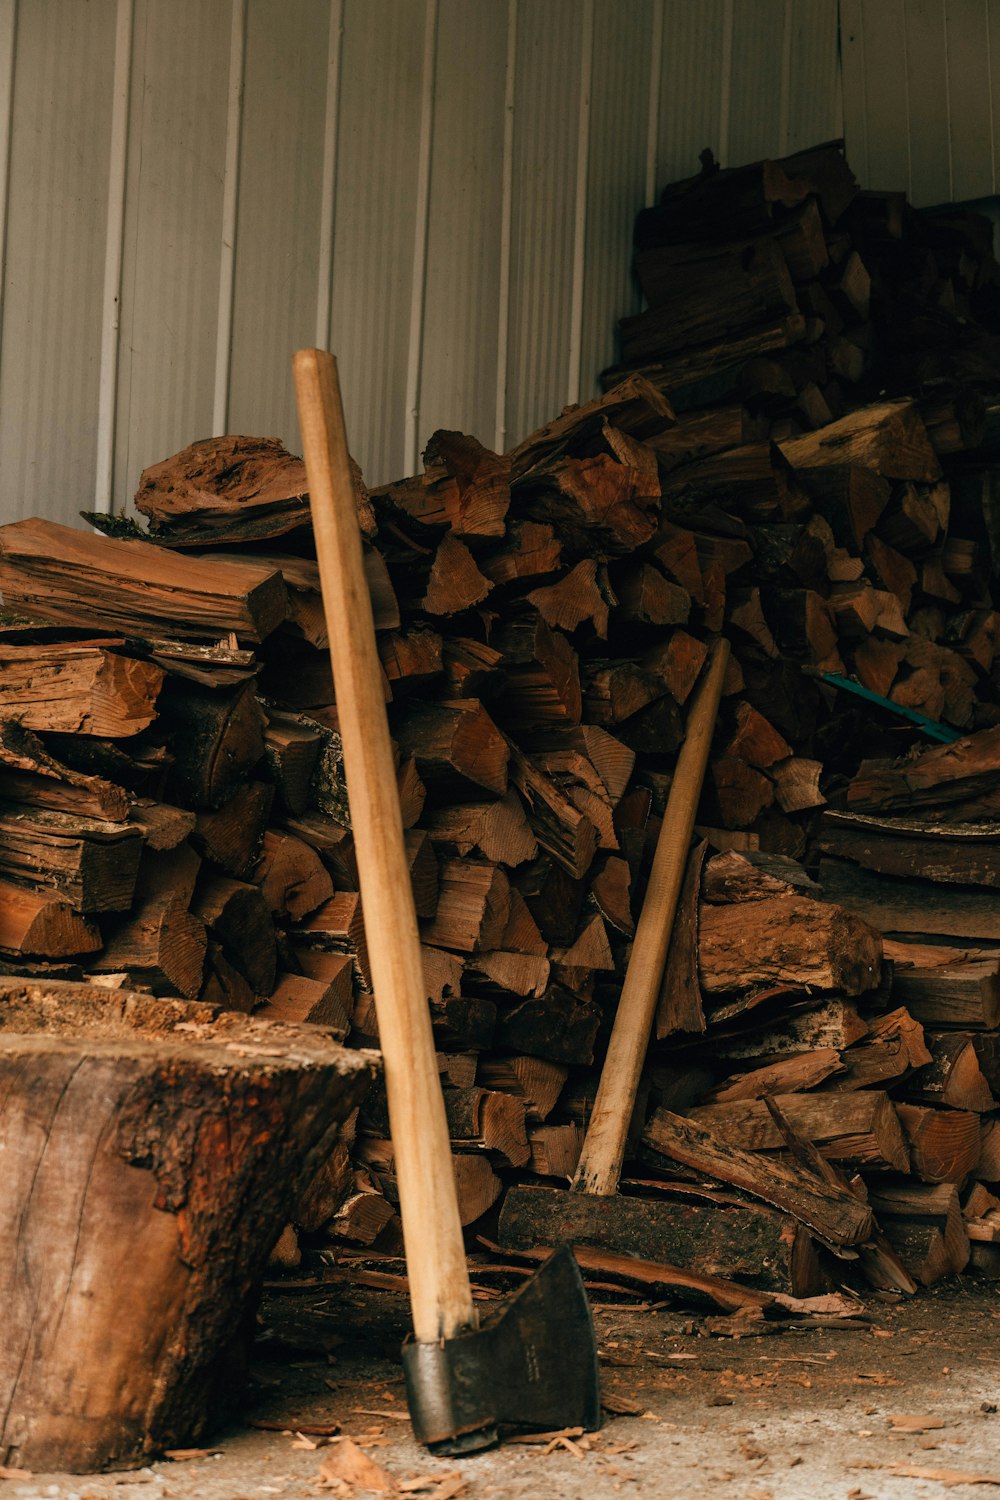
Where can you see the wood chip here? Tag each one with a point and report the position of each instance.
(347, 1468)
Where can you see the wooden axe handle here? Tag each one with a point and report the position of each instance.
(440, 1295)
(604, 1147)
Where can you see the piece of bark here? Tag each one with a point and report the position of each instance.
(789, 1075)
(858, 1130)
(944, 1143)
(178, 1154)
(949, 853)
(56, 572)
(161, 942)
(232, 835)
(786, 940)
(237, 916)
(42, 924)
(830, 1211)
(679, 1008)
(458, 750)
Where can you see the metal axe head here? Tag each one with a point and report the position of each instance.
(533, 1364)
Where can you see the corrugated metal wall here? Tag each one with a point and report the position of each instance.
(922, 96)
(442, 190)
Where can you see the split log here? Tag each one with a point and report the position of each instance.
(716, 1237)
(947, 986)
(237, 916)
(899, 905)
(473, 907)
(337, 927)
(178, 1154)
(29, 773)
(560, 828)
(679, 1008)
(888, 438)
(498, 830)
(786, 940)
(831, 1211)
(55, 572)
(560, 1027)
(232, 836)
(805, 1070)
(923, 1224)
(81, 688)
(455, 582)
(893, 1048)
(458, 750)
(958, 854)
(858, 1130)
(41, 924)
(944, 1143)
(532, 1080)
(162, 944)
(487, 1121)
(290, 877)
(217, 739)
(91, 863)
(582, 595)
(323, 1002)
(953, 1076)
(291, 750)
(555, 1150)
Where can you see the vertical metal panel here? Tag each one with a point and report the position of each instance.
(373, 226)
(812, 109)
(616, 185)
(113, 249)
(459, 356)
(8, 35)
(927, 92)
(278, 223)
(971, 115)
(230, 212)
(54, 268)
(886, 96)
(506, 219)
(755, 90)
(854, 69)
(173, 231)
(331, 127)
(691, 86)
(546, 114)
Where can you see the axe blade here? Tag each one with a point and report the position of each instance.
(533, 1364)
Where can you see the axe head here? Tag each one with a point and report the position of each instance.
(533, 1364)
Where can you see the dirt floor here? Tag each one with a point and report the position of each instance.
(906, 1406)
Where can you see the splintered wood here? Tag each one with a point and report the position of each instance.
(801, 451)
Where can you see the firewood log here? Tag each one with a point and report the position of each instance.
(91, 863)
(231, 836)
(786, 940)
(43, 924)
(944, 1143)
(859, 1130)
(237, 916)
(162, 944)
(56, 572)
(458, 750)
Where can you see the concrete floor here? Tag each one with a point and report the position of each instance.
(790, 1415)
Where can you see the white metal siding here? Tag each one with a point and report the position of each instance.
(921, 82)
(443, 189)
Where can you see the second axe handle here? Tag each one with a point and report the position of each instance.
(440, 1294)
(604, 1147)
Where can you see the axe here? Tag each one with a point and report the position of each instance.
(534, 1363)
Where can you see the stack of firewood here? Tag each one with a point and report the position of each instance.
(174, 818)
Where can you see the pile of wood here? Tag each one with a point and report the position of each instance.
(173, 810)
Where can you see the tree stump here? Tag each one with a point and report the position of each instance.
(150, 1154)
